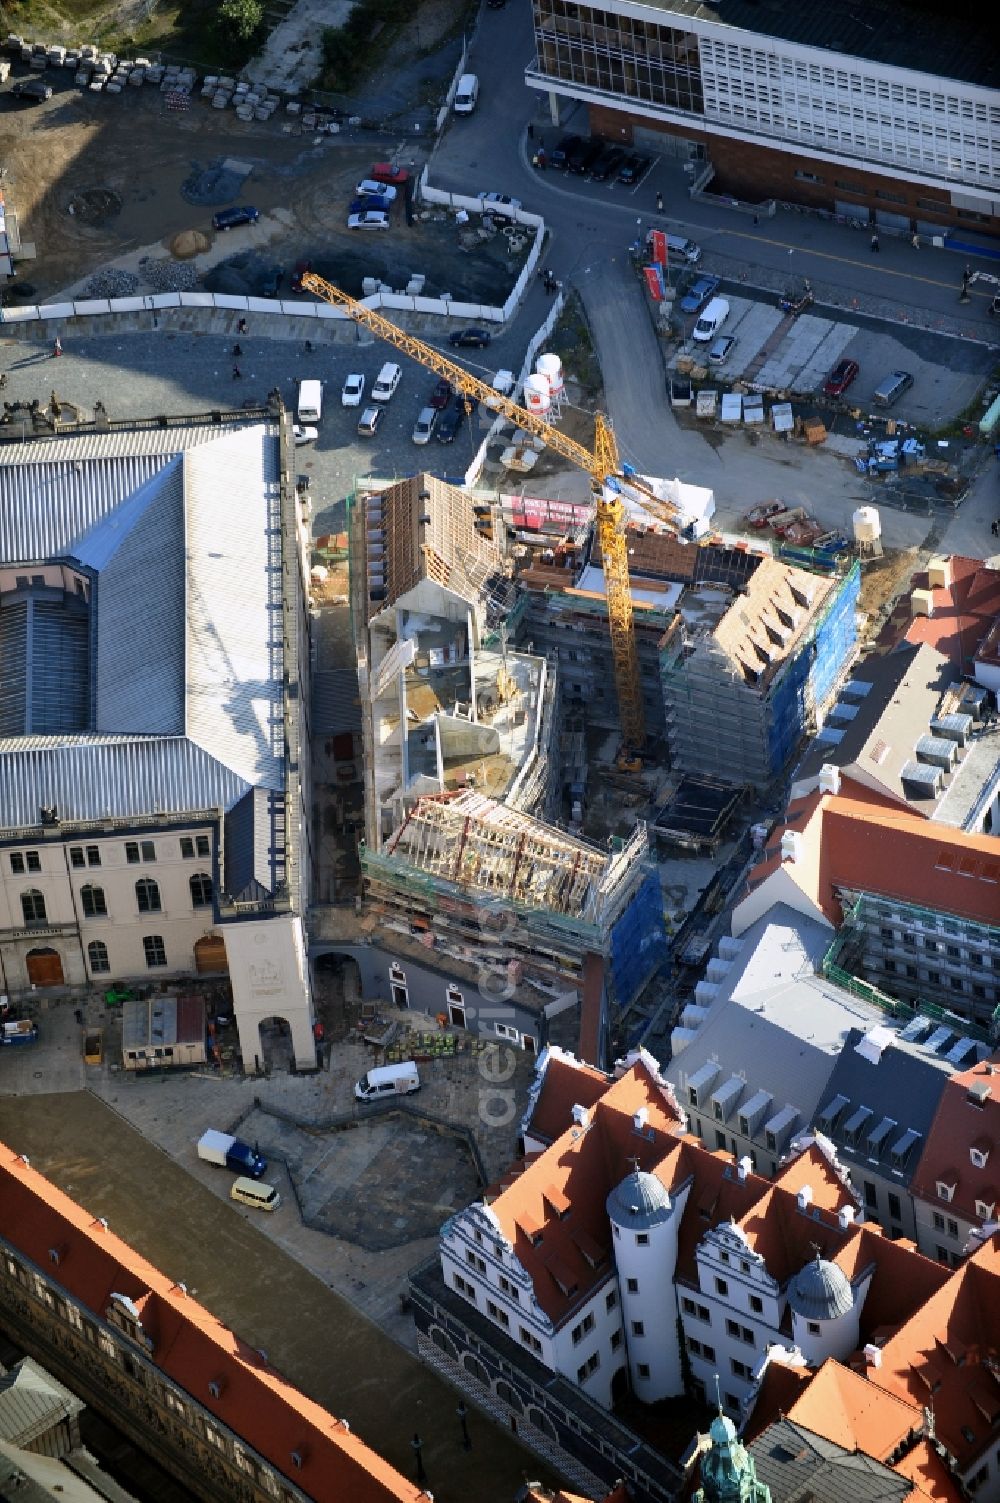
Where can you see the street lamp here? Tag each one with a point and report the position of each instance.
(463, 1414)
(418, 1446)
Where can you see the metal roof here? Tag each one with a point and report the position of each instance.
(640, 1201)
(797, 1463)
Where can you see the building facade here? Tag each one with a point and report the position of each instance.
(154, 741)
(894, 114)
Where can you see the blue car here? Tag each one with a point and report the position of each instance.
(228, 219)
(369, 201)
(698, 294)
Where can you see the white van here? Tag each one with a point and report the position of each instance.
(310, 403)
(250, 1192)
(390, 1080)
(711, 320)
(386, 382)
(466, 94)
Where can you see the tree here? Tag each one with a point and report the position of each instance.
(240, 20)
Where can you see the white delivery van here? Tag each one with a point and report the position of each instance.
(250, 1192)
(682, 249)
(466, 94)
(310, 403)
(711, 320)
(386, 382)
(390, 1080)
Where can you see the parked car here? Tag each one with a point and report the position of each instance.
(371, 219)
(302, 268)
(385, 172)
(608, 164)
(583, 156)
(841, 377)
(369, 421)
(353, 390)
(370, 186)
(440, 396)
(634, 170)
(450, 422)
(370, 201)
(425, 425)
(228, 219)
(32, 89)
(501, 200)
(560, 156)
(698, 294)
(304, 433)
(721, 349)
(272, 282)
(474, 339)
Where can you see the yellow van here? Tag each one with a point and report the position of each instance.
(250, 1192)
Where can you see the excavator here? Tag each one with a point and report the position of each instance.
(608, 476)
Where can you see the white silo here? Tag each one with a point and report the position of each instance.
(550, 366)
(644, 1227)
(536, 394)
(867, 525)
(825, 1315)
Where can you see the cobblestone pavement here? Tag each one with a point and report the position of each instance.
(261, 1286)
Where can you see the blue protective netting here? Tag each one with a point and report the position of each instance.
(638, 942)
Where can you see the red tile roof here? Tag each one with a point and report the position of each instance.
(963, 612)
(848, 1410)
(190, 1345)
(853, 840)
(566, 1083)
(968, 1116)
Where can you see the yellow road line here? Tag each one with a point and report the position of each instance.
(889, 271)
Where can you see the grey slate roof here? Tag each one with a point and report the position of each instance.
(820, 1291)
(639, 1202)
(176, 535)
(797, 1464)
(903, 1086)
(32, 1402)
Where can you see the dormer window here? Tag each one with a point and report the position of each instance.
(979, 1154)
(945, 1190)
(985, 1209)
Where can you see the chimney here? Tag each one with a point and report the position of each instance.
(791, 846)
(873, 1355)
(829, 778)
(845, 1217)
(640, 1118)
(581, 1116)
(804, 1197)
(743, 1167)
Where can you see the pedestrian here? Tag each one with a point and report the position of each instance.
(309, 346)
(756, 219)
(995, 528)
(659, 203)
(531, 132)
(237, 373)
(915, 240)
(57, 348)
(237, 350)
(541, 157)
(875, 243)
(241, 327)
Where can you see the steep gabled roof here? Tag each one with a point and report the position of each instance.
(562, 1082)
(191, 1346)
(967, 1121)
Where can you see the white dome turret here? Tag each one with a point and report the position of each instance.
(825, 1318)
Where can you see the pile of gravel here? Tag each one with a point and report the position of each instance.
(111, 282)
(169, 276)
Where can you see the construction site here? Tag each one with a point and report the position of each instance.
(539, 688)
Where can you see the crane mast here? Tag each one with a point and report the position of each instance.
(602, 464)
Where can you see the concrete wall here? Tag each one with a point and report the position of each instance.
(269, 975)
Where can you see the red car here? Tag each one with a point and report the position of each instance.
(840, 378)
(301, 269)
(440, 396)
(385, 172)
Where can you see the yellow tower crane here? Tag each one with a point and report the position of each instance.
(606, 474)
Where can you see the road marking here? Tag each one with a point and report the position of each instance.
(908, 276)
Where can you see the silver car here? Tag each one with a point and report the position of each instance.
(425, 425)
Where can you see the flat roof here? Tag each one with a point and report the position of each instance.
(879, 31)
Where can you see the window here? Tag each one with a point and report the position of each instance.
(529, 1340)
(76, 856)
(509, 1289)
(952, 1228)
(156, 954)
(638, 1328)
(17, 863)
(464, 1287)
(642, 1239)
(590, 1366)
(812, 1326)
(504, 1031)
(894, 1208)
(92, 900)
(187, 847)
(33, 906)
(871, 1196)
(807, 177)
(97, 957)
(643, 1369)
(632, 1285)
(476, 1262)
(133, 849)
(203, 845)
(500, 1316)
(201, 890)
(616, 1339)
(147, 895)
(756, 1304)
(34, 861)
(720, 1138)
(611, 1300)
(722, 1287)
(938, 1222)
(945, 1192)
(740, 1369)
(582, 1328)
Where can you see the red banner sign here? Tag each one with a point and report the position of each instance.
(652, 275)
(658, 245)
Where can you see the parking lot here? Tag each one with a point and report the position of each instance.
(777, 352)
